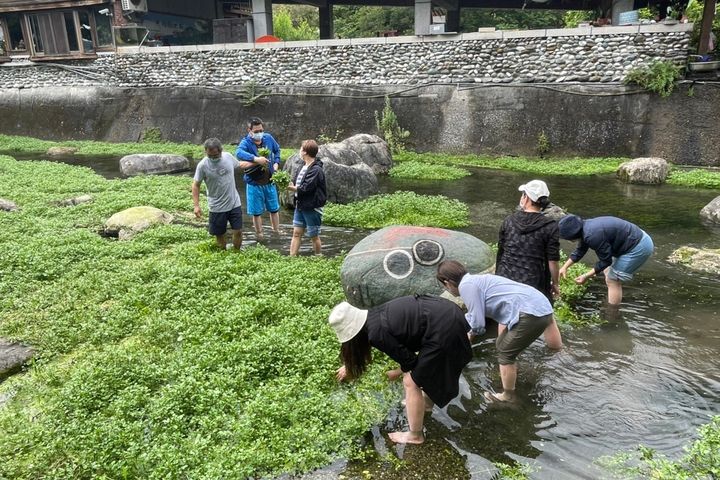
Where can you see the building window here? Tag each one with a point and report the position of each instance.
(15, 41)
(103, 27)
(70, 32)
(86, 31)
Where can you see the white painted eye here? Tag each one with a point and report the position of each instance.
(427, 252)
(398, 264)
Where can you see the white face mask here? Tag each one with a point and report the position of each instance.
(257, 136)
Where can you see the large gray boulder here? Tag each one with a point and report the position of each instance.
(653, 171)
(133, 220)
(7, 205)
(344, 184)
(13, 355)
(699, 259)
(402, 260)
(152, 163)
(710, 213)
(372, 150)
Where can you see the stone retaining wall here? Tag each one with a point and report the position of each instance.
(565, 55)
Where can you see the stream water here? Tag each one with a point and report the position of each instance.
(650, 375)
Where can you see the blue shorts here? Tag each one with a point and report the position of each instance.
(310, 219)
(217, 224)
(625, 265)
(261, 198)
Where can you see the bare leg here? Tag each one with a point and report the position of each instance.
(614, 291)
(553, 339)
(295, 241)
(275, 222)
(237, 239)
(220, 240)
(508, 375)
(415, 405)
(258, 224)
(317, 246)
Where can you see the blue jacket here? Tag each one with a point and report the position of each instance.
(609, 237)
(247, 151)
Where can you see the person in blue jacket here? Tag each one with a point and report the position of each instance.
(621, 247)
(260, 192)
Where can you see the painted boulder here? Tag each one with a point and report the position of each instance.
(402, 260)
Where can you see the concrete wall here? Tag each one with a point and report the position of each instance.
(587, 120)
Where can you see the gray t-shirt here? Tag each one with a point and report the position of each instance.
(219, 178)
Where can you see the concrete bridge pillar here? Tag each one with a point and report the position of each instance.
(327, 27)
(262, 17)
(423, 16)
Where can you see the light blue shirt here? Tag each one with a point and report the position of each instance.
(501, 299)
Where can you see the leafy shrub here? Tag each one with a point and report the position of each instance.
(572, 18)
(152, 135)
(400, 208)
(427, 171)
(659, 77)
(543, 144)
(389, 128)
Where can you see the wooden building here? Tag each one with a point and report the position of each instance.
(45, 30)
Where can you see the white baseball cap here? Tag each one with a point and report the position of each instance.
(535, 189)
(347, 321)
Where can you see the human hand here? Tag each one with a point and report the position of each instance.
(563, 272)
(262, 161)
(291, 186)
(341, 374)
(394, 374)
(198, 212)
(555, 290)
(581, 279)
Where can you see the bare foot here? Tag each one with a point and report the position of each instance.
(407, 437)
(498, 397)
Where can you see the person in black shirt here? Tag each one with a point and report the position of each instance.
(426, 335)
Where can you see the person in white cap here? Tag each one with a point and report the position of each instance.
(529, 243)
(426, 335)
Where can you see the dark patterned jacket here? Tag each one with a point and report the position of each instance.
(528, 241)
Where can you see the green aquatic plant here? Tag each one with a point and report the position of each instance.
(701, 459)
(399, 208)
(548, 166)
(517, 471)
(160, 357)
(696, 178)
(152, 135)
(281, 179)
(426, 171)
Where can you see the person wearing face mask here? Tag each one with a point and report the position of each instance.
(310, 196)
(529, 242)
(217, 170)
(261, 194)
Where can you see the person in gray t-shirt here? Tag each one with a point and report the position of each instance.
(217, 169)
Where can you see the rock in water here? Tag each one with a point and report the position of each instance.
(402, 260)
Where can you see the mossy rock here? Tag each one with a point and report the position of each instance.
(700, 259)
(128, 222)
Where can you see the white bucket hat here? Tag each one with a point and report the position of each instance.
(535, 189)
(347, 321)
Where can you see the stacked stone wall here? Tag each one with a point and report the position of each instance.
(578, 55)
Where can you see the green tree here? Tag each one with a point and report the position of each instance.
(472, 19)
(284, 27)
(355, 22)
